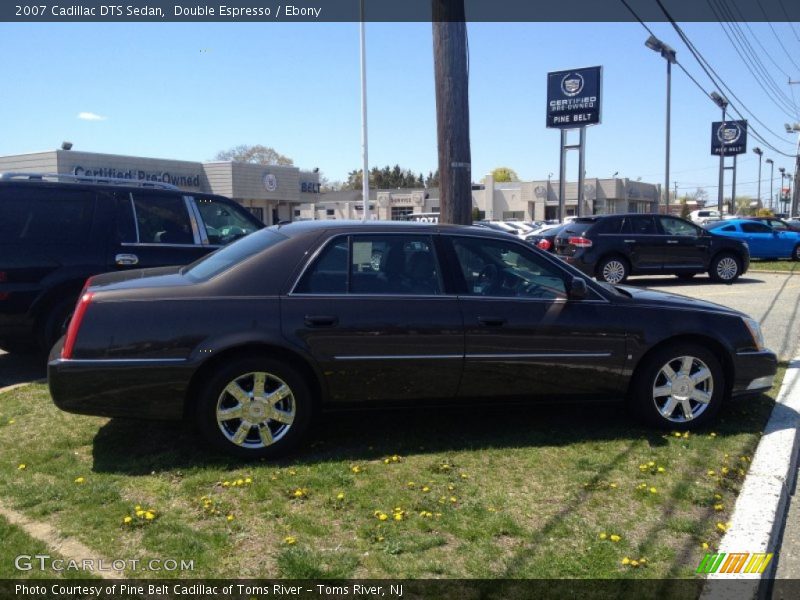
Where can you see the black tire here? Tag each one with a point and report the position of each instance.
(796, 252)
(285, 437)
(686, 276)
(53, 323)
(725, 268)
(613, 269)
(654, 408)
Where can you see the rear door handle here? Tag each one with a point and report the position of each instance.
(672, 241)
(126, 260)
(321, 321)
(492, 321)
(630, 241)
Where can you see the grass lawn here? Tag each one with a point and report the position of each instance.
(790, 266)
(525, 492)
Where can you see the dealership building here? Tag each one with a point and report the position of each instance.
(519, 200)
(270, 192)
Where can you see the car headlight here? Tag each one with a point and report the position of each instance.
(755, 331)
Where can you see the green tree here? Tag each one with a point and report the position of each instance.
(258, 154)
(504, 174)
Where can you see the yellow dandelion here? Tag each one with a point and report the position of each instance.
(712, 435)
(615, 538)
(22, 467)
(717, 497)
(137, 507)
(661, 469)
(711, 473)
(11, 421)
(626, 561)
(386, 461)
(612, 485)
(148, 515)
(289, 540)
(704, 545)
(651, 464)
(677, 434)
(79, 480)
(127, 520)
(464, 476)
(226, 484)
(411, 484)
(653, 490)
(685, 434)
(356, 469)
(492, 509)
(248, 480)
(380, 538)
(292, 472)
(395, 458)
(642, 561)
(240, 482)
(229, 518)
(140, 513)
(725, 470)
(383, 516)
(723, 527)
(453, 499)
(603, 535)
(340, 496)
(426, 489)
(398, 516)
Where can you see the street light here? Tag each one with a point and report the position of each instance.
(794, 208)
(771, 164)
(722, 102)
(760, 153)
(668, 54)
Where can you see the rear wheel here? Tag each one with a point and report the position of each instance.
(613, 269)
(680, 386)
(725, 268)
(255, 407)
(796, 252)
(53, 323)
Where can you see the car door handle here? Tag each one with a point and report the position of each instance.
(321, 320)
(492, 321)
(629, 241)
(672, 241)
(125, 260)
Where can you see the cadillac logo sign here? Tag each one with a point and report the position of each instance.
(270, 182)
(573, 98)
(729, 137)
(572, 84)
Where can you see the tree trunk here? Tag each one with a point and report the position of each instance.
(452, 111)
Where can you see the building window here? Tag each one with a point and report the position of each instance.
(296, 212)
(399, 213)
(330, 212)
(435, 209)
(513, 215)
(257, 212)
(361, 206)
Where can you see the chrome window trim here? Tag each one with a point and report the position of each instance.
(122, 360)
(157, 245)
(193, 219)
(476, 356)
(135, 219)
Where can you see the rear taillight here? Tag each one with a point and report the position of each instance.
(544, 244)
(75, 323)
(580, 242)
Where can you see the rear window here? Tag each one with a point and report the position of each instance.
(45, 216)
(577, 227)
(223, 259)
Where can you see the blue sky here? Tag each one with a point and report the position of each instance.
(186, 91)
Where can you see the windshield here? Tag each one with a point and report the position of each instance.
(224, 258)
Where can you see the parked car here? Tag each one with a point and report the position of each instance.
(612, 247)
(450, 313)
(778, 224)
(762, 240)
(705, 215)
(545, 238)
(57, 230)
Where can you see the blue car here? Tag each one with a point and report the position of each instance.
(764, 242)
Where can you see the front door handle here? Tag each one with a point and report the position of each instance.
(492, 321)
(321, 320)
(126, 260)
(672, 241)
(629, 241)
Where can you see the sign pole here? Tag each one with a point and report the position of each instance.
(733, 187)
(562, 175)
(721, 191)
(581, 170)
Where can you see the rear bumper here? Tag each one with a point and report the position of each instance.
(755, 372)
(141, 389)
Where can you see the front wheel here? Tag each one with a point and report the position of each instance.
(679, 387)
(255, 407)
(796, 252)
(725, 268)
(613, 270)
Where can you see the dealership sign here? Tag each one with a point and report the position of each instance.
(729, 137)
(573, 97)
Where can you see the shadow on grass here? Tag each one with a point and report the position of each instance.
(143, 447)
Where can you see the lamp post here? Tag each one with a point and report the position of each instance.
(669, 55)
(722, 102)
(782, 171)
(364, 137)
(771, 164)
(760, 153)
(794, 207)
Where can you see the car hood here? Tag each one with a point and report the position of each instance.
(139, 278)
(661, 299)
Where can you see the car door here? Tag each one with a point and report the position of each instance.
(372, 312)
(686, 248)
(153, 229)
(644, 243)
(523, 336)
(761, 240)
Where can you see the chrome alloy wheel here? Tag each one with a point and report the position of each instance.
(613, 271)
(255, 410)
(683, 389)
(727, 268)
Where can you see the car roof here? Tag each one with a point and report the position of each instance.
(351, 226)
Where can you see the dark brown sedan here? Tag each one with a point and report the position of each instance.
(253, 340)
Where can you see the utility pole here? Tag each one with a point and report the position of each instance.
(674, 196)
(452, 111)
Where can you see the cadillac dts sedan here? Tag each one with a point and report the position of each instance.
(252, 341)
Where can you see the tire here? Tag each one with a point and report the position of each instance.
(259, 434)
(53, 323)
(725, 268)
(613, 269)
(700, 390)
(796, 252)
(686, 276)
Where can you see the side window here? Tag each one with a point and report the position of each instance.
(642, 225)
(678, 227)
(224, 222)
(33, 215)
(328, 274)
(162, 219)
(728, 228)
(393, 264)
(777, 225)
(756, 227)
(496, 268)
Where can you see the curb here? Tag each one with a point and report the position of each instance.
(762, 503)
(14, 386)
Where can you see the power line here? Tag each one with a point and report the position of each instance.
(789, 20)
(777, 37)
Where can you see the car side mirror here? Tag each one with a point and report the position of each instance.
(577, 289)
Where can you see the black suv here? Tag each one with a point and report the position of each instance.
(611, 247)
(57, 230)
